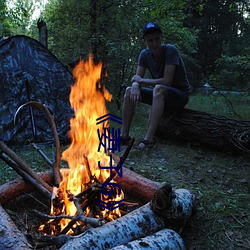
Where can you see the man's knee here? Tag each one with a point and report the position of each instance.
(159, 91)
(127, 92)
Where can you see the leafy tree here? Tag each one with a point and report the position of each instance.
(111, 30)
(20, 15)
(4, 20)
(223, 32)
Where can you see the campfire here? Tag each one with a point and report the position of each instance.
(80, 188)
(87, 198)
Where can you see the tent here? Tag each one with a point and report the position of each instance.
(30, 72)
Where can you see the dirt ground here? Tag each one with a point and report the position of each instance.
(220, 182)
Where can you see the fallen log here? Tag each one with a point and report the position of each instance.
(10, 237)
(163, 239)
(148, 219)
(212, 131)
(136, 185)
(130, 182)
(18, 187)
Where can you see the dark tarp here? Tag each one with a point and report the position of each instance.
(29, 71)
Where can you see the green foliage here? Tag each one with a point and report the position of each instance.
(212, 36)
(223, 31)
(233, 72)
(4, 20)
(20, 16)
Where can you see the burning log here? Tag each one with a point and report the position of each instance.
(131, 182)
(165, 210)
(10, 237)
(216, 132)
(163, 239)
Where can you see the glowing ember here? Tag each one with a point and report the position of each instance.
(87, 98)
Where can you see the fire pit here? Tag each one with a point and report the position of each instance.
(86, 200)
(159, 208)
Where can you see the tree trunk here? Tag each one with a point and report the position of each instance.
(10, 237)
(43, 32)
(212, 131)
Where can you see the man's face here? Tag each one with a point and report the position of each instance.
(153, 40)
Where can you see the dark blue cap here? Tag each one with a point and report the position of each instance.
(150, 26)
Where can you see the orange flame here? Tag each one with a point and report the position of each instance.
(88, 99)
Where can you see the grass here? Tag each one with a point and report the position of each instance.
(220, 181)
(234, 106)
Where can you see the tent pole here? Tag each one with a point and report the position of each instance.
(33, 125)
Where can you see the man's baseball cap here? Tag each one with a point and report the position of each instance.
(149, 27)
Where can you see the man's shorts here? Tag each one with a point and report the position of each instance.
(175, 99)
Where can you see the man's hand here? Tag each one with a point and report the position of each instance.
(135, 93)
(136, 78)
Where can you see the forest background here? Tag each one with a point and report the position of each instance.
(212, 36)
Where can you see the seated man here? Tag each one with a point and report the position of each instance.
(168, 89)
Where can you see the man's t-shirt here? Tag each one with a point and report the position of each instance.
(171, 56)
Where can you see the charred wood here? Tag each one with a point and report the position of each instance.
(43, 32)
(130, 182)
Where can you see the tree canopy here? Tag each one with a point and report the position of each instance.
(212, 35)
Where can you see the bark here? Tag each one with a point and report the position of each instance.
(136, 185)
(136, 224)
(150, 218)
(130, 182)
(43, 32)
(212, 131)
(10, 237)
(18, 187)
(163, 239)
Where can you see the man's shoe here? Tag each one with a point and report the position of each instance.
(125, 141)
(146, 144)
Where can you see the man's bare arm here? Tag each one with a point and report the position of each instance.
(166, 80)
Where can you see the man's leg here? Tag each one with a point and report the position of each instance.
(128, 109)
(156, 112)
